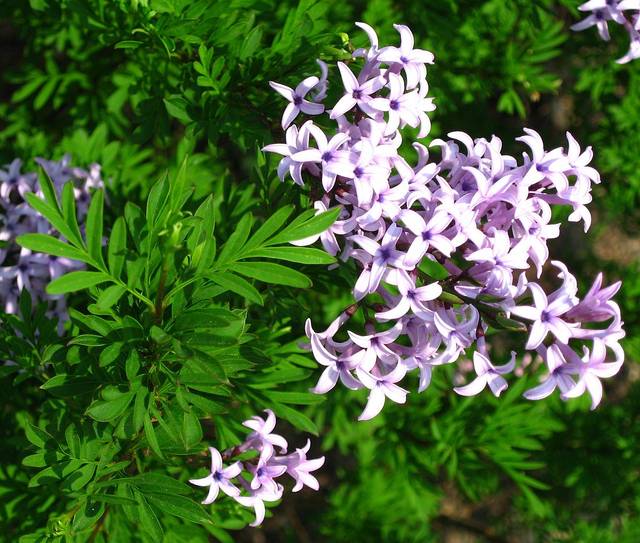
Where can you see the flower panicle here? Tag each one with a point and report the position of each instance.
(445, 243)
(253, 482)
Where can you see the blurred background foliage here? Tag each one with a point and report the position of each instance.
(137, 85)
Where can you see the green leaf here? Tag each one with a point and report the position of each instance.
(301, 255)
(77, 280)
(69, 213)
(43, 243)
(128, 44)
(238, 285)
(105, 411)
(94, 226)
(179, 506)
(510, 324)
(46, 91)
(132, 365)
(236, 241)
(273, 273)
(157, 200)
(295, 417)
(53, 216)
(150, 434)
(433, 269)
(110, 296)
(450, 298)
(158, 483)
(269, 227)
(36, 435)
(79, 478)
(177, 107)
(298, 398)
(63, 385)
(191, 430)
(116, 251)
(315, 225)
(149, 520)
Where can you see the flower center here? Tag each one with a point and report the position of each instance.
(327, 156)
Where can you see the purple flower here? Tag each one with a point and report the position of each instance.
(596, 305)
(411, 60)
(333, 161)
(558, 375)
(590, 370)
(489, 374)
(411, 298)
(263, 487)
(545, 316)
(256, 500)
(375, 347)
(296, 141)
(300, 467)
(297, 102)
(402, 109)
(603, 11)
(381, 387)
(219, 478)
(384, 254)
(428, 234)
(262, 437)
(264, 473)
(13, 182)
(338, 367)
(634, 47)
(356, 93)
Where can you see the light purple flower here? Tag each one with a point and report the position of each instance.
(219, 478)
(603, 11)
(356, 93)
(262, 437)
(412, 60)
(14, 182)
(411, 298)
(487, 374)
(297, 102)
(402, 109)
(299, 467)
(384, 254)
(339, 366)
(558, 375)
(545, 316)
(264, 474)
(590, 370)
(333, 161)
(381, 387)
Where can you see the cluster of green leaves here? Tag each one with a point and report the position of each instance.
(164, 360)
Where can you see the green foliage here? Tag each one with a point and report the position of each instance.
(166, 354)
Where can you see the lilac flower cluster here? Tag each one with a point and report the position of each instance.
(19, 267)
(603, 11)
(261, 472)
(478, 217)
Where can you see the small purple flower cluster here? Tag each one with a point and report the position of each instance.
(604, 11)
(260, 485)
(19, 267)
(477, 219)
